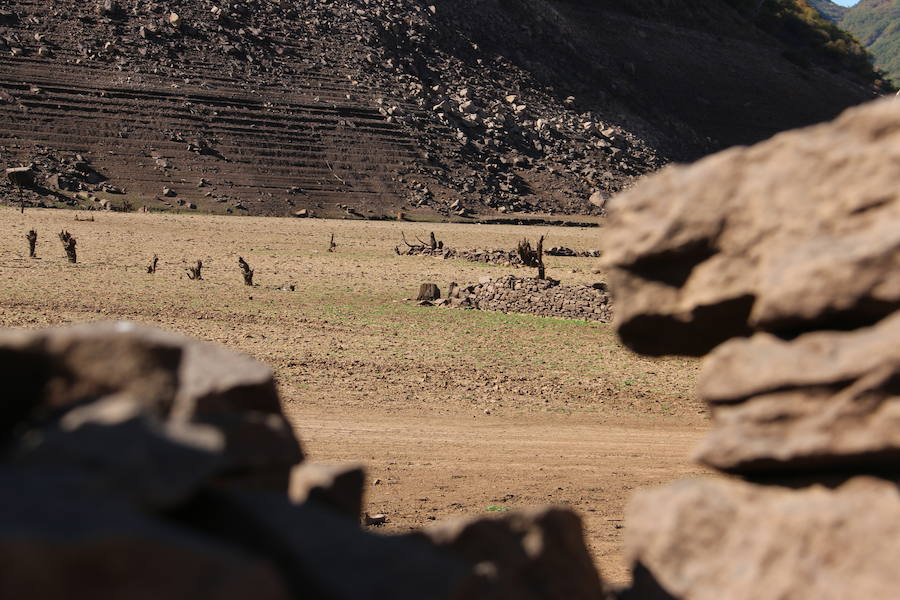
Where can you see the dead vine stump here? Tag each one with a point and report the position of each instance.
(69, 244)
(331, 245)
(533, 257)
(32, 243)
(151, 268)
(428, 292)
(246, 271)
(195, 273)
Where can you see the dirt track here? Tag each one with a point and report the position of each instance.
(438, 468)
(453, 411)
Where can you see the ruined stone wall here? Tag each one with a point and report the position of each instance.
(542, 297)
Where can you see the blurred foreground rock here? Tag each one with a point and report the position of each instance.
(783, 260)
(528, 554)
(713, 539)
(826, 401)
(140, 464)
(796, 233)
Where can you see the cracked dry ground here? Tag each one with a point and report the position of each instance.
(453, 412)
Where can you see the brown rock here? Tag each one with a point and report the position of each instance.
(826, 400)
(527, 554)
(340, 487)
(597, 199)
(710, 539)
(797, 233)
(177, 380)
(20, 176)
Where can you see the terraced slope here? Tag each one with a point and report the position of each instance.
(376, 107)
(153, 114)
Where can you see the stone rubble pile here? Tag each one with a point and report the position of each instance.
(564, 251)
(506, 258)
(496, 256)
(782, 261)
(140, 464)
(542, 297)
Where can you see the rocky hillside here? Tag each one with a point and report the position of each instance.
(372, 108)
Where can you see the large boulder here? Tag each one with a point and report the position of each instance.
(798, 233)
(825, 401)
(711, 539)
(175, 380)
(531, 554)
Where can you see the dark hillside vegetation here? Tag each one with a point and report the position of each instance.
(876, 23)
(829, 10)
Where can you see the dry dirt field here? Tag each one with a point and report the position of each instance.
(453, 412)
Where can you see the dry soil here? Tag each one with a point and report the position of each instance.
(454, 413)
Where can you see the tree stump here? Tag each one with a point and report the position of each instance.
(195, 273)
(246, 271)
(32, 243)
(533, 257)
(151, 268)
(429, 292)
(69, 244)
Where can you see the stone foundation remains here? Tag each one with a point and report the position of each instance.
(542, 297)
